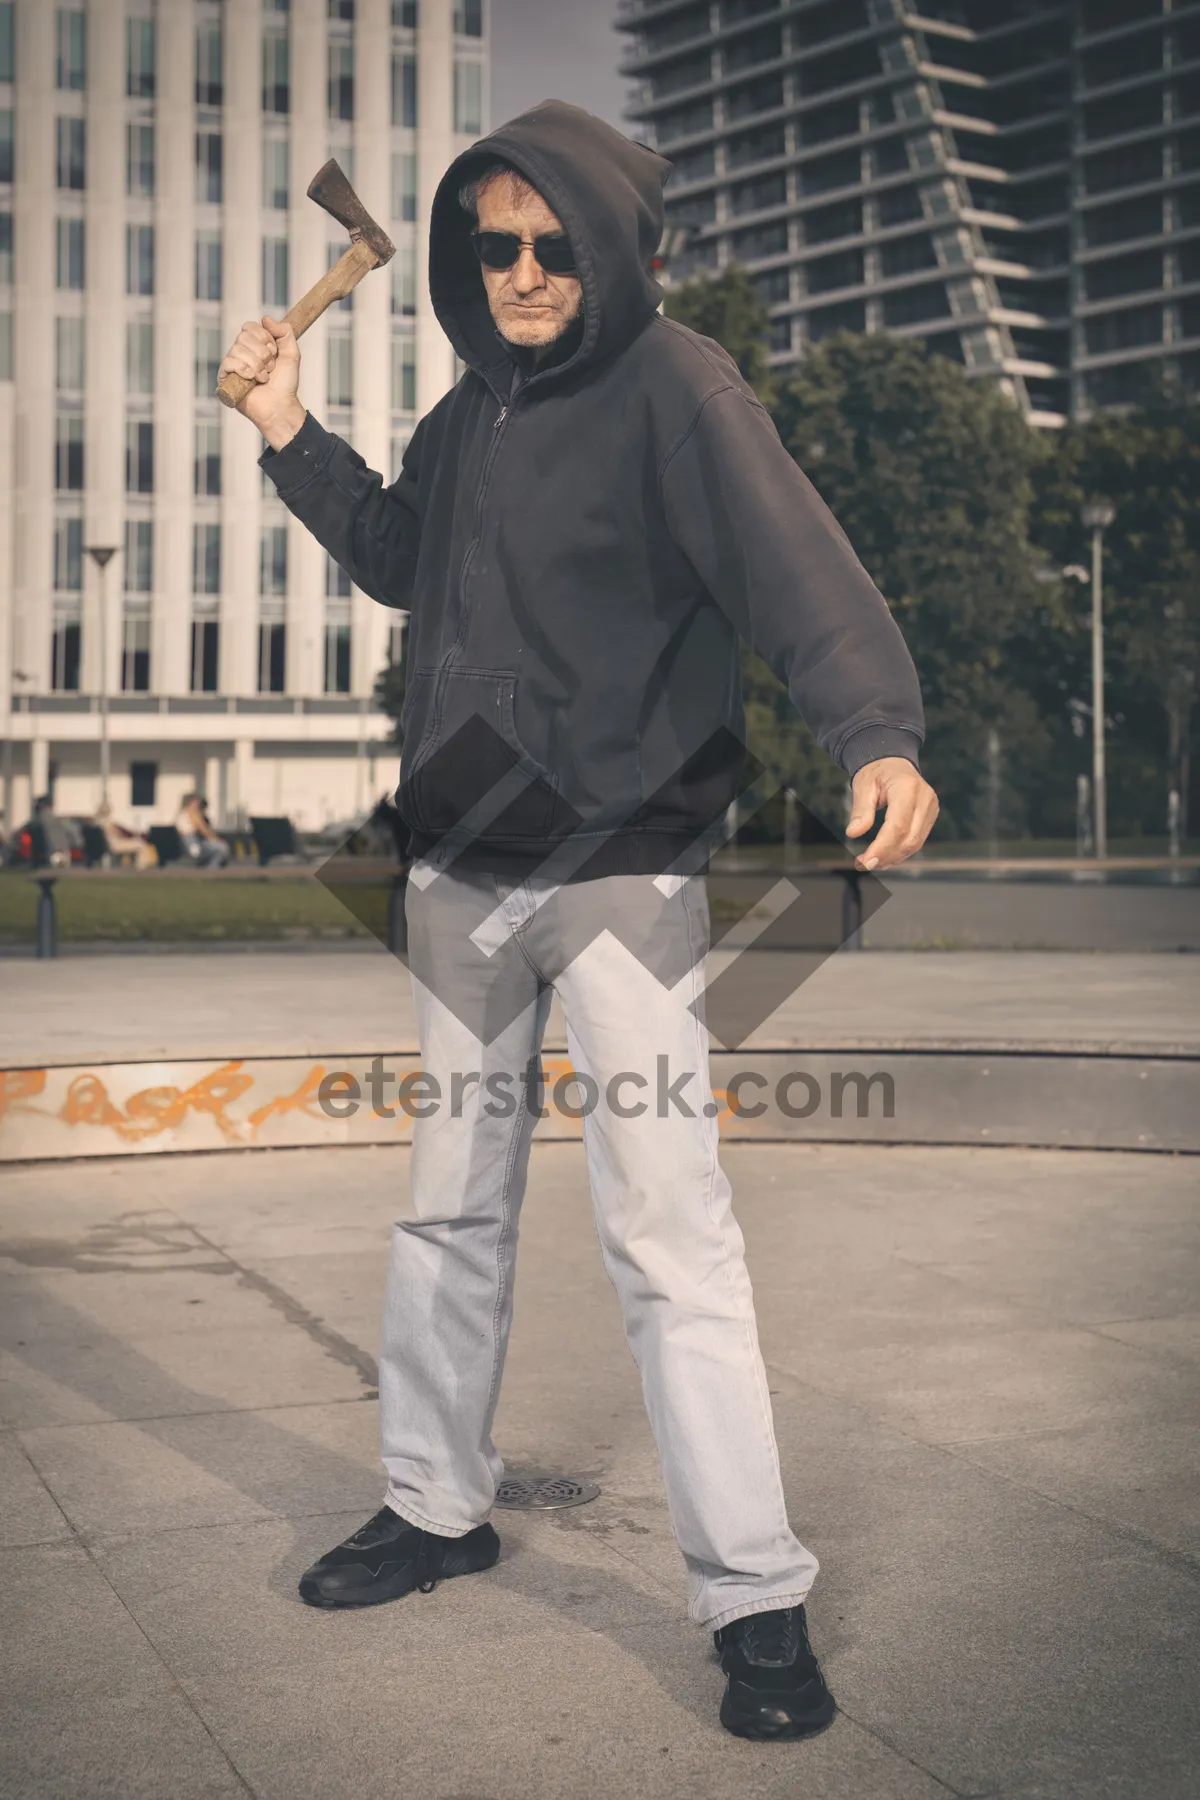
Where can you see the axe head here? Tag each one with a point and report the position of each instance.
(330, 189)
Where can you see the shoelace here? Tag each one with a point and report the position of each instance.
(772, 1639)
(431, 1554)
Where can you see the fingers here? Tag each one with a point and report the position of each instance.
(253, 353)
(866, 803)
(282, 335)
(912, 810)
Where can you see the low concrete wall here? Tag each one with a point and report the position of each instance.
(1105, 1100)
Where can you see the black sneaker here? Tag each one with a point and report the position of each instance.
(776, 1688)
(389, 1557)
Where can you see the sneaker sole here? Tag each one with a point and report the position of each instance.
(748, 1724)
(400, 1584)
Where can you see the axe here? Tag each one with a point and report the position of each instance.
(369, 249)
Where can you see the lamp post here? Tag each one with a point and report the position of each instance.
(1097, 516)
(102, 555)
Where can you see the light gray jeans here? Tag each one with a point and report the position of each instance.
(625, 955)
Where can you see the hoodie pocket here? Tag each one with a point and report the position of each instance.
(466, 747)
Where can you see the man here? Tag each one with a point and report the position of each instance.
(582, 529)
(201, 843)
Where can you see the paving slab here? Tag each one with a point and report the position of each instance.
(981, 1365)
(173, 1006)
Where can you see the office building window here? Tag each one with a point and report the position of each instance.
(468, 18)
(68, 452)
(209, 87)
(209, 265)
(404, 90)
(404, 281)
(139, 556)
(399, 446)
(139, 456)
(69, 244)
(68, 356)
(71, 59)
(139, 161)
(206, 649)
(276, 72)
(135, 653)
(404, 14)
(209, 351)
(340, 9)
(209, 167)
(404, 186)
(6, 144)
(337, 656)
(206, 559)
(272, 581)
(139, 259)
(6, 249)
(272, 656)
(275, 174)
(143, 783)
(340, 370)
(68, 556)
(337, 581)
(468, 98)
(333, 253)
(275, 272)
(207, 470)
(139, 356)
(404, 375)
(341, 79)
(7, 46)
(139, 58)
(64, 654)
(69, 169)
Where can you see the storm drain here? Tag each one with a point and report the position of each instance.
(543, 1493)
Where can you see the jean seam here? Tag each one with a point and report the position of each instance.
(770, 1603)
(750, 1341)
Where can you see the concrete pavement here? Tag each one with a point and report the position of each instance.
(983, 1366)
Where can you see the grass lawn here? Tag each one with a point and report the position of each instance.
(176, 909)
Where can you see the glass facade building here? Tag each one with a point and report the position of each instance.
(1016, 184)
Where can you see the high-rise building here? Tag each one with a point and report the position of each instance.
(154, 156)
(1017, 182)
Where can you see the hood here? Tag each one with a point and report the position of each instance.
(607, 191)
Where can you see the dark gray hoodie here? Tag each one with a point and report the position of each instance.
(580, 548)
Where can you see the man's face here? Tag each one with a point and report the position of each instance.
(528, 305)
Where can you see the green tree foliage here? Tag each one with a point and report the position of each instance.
(1147, 463)
(931, 477)
(726, 308)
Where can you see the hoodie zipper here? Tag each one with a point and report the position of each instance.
(472, 547)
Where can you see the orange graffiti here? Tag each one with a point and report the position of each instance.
(17, 1085)
(302, 1099)
(153, 1110)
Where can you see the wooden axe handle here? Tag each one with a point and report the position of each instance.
(335, 284)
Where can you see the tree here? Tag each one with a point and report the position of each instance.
(1147, 463)
(930, 475)
(726, 308)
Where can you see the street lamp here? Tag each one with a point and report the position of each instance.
(1097, 516)
(102, 555)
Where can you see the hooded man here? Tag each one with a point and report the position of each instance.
(582, 530)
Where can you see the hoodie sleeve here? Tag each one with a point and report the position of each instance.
(373, 531)
(776, 562)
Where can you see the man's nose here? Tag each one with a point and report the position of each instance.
(527, 274)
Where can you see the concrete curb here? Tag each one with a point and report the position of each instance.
(1115, 1098)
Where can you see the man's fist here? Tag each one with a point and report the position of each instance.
(912, 806)
(266, 353)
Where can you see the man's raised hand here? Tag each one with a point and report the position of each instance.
(266, 352)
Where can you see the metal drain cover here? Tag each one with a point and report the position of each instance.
(543, 1493)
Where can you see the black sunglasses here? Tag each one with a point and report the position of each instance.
(500, 250)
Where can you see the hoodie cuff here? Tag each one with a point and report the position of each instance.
(876, 741)
(301, 458)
